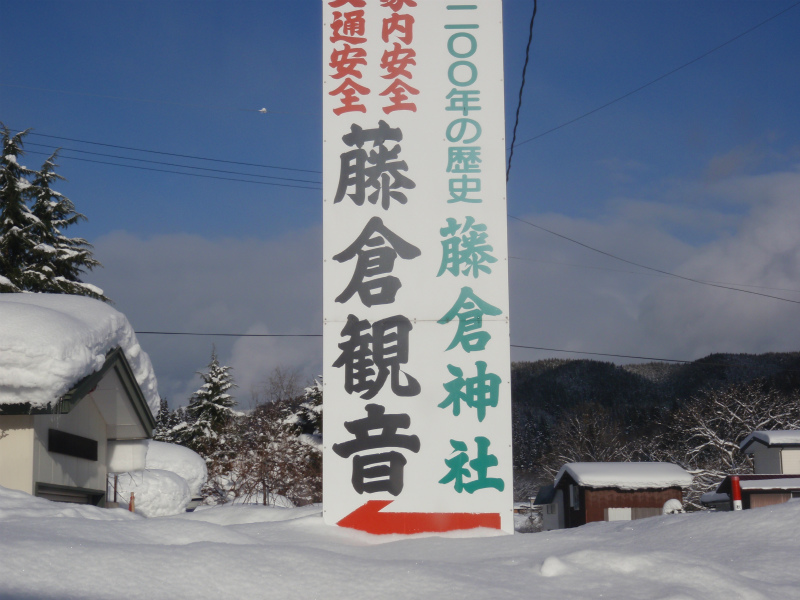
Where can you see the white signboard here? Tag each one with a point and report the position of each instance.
(417, 418)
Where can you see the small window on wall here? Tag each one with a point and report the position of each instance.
(574, 497)
(617, 514)
(71, 444)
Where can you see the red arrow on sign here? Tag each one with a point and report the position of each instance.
(369, 518)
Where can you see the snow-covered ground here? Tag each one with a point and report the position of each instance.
(62, 551)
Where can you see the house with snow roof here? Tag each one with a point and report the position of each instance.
(773, 452)
(77, 396)
(776, 472)
(584, 492)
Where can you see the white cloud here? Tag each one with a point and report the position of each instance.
(187, 283)
(609, 311)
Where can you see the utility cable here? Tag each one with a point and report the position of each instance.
(521, 88)
(168, 164)
(319, 335)
(279, 335)
(674, 360)
(657, 79)
(641, 266)
(554, 262)
(219, 160)
(102, 162)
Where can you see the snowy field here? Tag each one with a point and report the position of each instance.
(52, 550)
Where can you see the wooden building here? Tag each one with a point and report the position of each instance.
(587, 492)
(757, 491)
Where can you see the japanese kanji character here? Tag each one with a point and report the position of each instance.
(470, 310)
(376, 248)
(463, 100)
(402, 24)
(377, 169)
(396, 5)
(340, 3)
(372, 353)
(398, 92)
(461, 187)
(351, 93)
(468, 250)
(464, 159)
(346, 61)
(397, 60)
(380, 472)
(348, 27)
(480, 465)
(377, 419)
(481, 391)
(457, 130)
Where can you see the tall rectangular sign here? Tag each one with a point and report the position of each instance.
(417, 418)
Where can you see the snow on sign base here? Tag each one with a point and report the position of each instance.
(416, 334)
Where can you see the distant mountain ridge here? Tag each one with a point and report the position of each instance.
(636, 396)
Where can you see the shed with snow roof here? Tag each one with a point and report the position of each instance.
(773, 452)
(605, 491)
(757, 491)
(77, 396)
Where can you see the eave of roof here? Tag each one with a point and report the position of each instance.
(116, 360)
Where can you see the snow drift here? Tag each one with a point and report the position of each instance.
(179, 460)
(55, 551)
(157, 493)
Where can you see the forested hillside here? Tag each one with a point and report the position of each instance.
(592, 410)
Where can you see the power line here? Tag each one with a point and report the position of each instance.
(219, 160)
(525, 347)
(263, 111)
(267, 335)
(102, 162)
(553, 262)
(657, 79)
(521, 88)
(642, 266)
(675, 360)
(156, 162)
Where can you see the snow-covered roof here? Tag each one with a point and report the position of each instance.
(779, 437)
(714, 498)
(783, 483)
(49, 342)
(626, 475)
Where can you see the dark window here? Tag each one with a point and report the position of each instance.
(71, 444)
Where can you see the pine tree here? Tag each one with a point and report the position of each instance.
(16, 219)
(210, 410)
(58, 261)
(35, 255)
(166, 420)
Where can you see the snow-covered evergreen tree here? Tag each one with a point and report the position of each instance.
(35, 255)
(166, 420)
(16, 219)
(57, 260)
(210, 410)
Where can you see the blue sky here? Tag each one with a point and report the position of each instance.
(696, 174)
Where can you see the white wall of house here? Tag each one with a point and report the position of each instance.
(766, 461)
(16, 452)
(790, 457)
(553, 513)
(84, 420)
